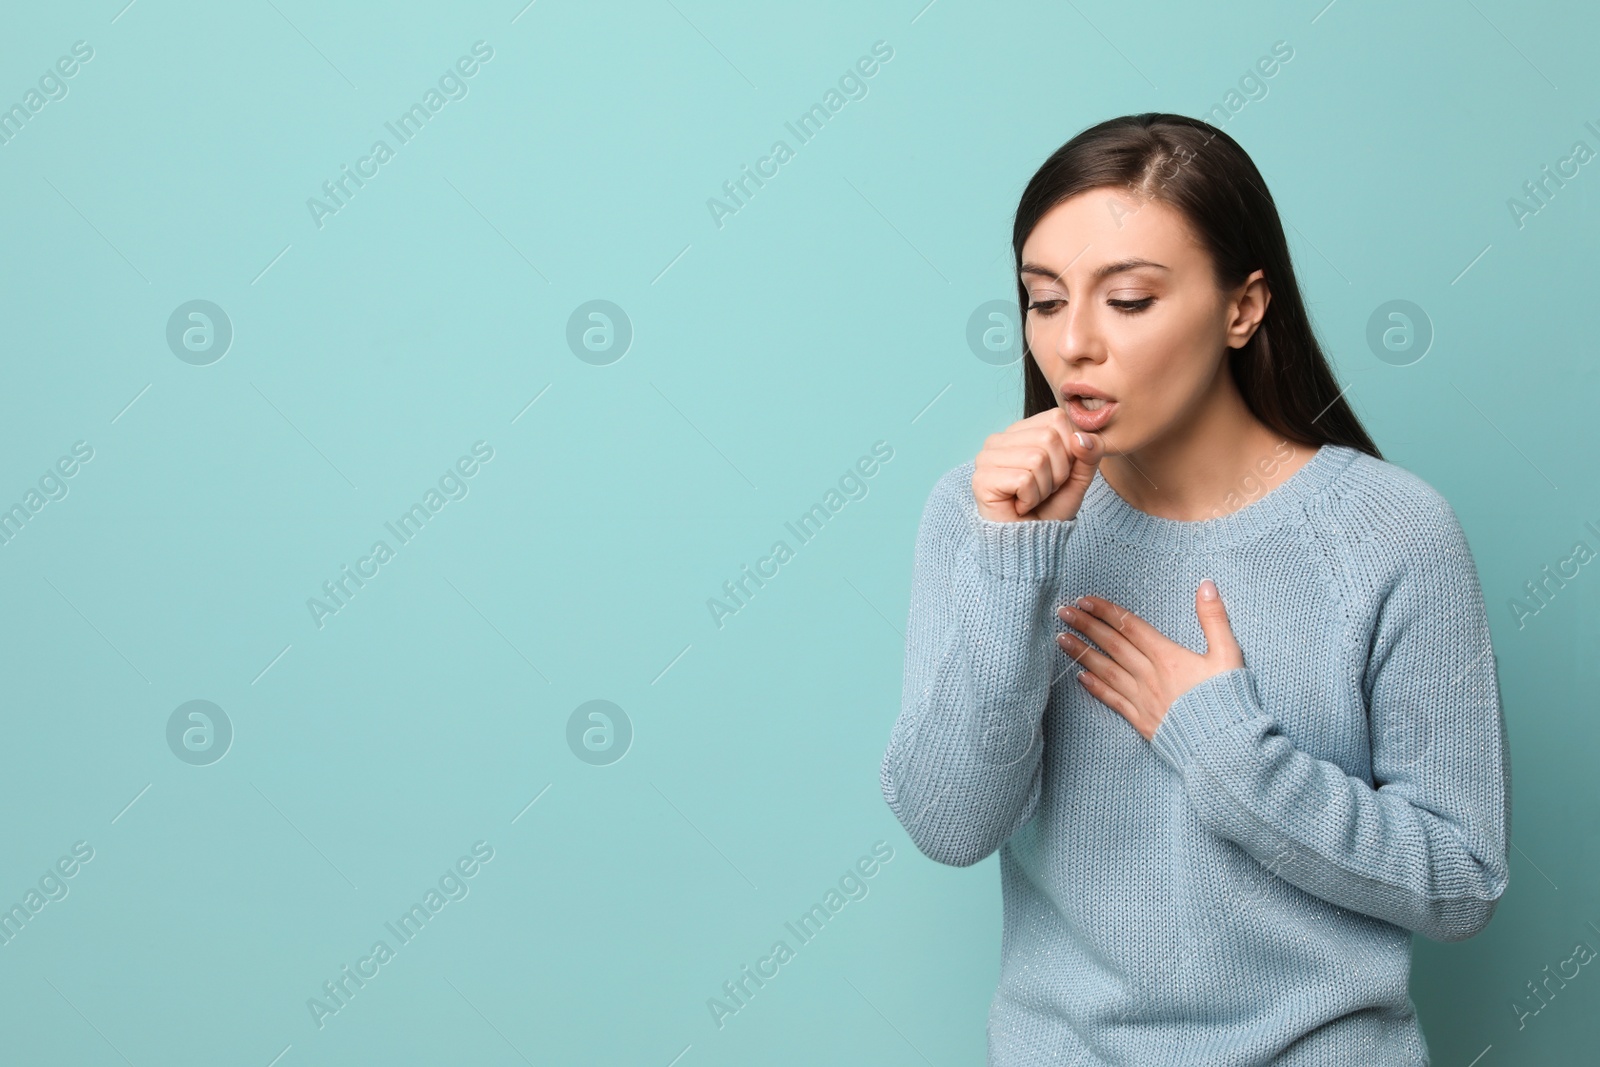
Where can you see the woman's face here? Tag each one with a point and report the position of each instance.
(1123, 304)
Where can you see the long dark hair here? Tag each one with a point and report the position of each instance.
(1203, 173)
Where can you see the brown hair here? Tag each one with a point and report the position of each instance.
(1204, 174)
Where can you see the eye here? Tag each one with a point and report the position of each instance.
(1046, 308)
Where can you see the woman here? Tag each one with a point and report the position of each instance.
(1263, 744)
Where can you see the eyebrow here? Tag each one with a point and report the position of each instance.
(1109, 269)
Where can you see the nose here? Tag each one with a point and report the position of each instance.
(1077, 334)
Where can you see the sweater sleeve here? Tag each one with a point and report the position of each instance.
(962, 769)
(1423, 846)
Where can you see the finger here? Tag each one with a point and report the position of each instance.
(1023, 468)
(1067, 500)
(1111, 631)
(1012, 482)
(1049, 430)
(1098, 663)
(1052, 420)
(1086, 450)
(1052, 416)
(1074, 456)
(1108, 696)
(1214, 623)
(1145, 637)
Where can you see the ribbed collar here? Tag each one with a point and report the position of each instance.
(1125, 523)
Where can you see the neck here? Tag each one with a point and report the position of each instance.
(1215, 460)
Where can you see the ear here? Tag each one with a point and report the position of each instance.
(1250, 307)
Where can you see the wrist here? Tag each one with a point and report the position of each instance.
(1022, 549)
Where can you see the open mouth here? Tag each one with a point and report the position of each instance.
(1089, 412)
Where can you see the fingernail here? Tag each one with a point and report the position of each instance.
(1082, 440)
(1208, 590)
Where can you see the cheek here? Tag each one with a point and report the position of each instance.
(1166, 373)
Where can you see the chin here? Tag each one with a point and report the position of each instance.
(1114, 441)
(1109, 437)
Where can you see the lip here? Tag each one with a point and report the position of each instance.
(1090, 421)
(1081, 389)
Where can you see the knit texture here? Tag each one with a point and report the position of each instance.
(1241, 889)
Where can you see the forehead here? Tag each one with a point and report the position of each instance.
(1101, 226)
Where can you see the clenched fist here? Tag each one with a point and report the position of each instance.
(1035, 469)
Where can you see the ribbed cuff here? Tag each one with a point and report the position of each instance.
(1029, 549)
(1206, 709)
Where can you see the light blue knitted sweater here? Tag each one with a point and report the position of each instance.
(1242, 888)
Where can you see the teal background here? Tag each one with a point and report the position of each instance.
(767, 355)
